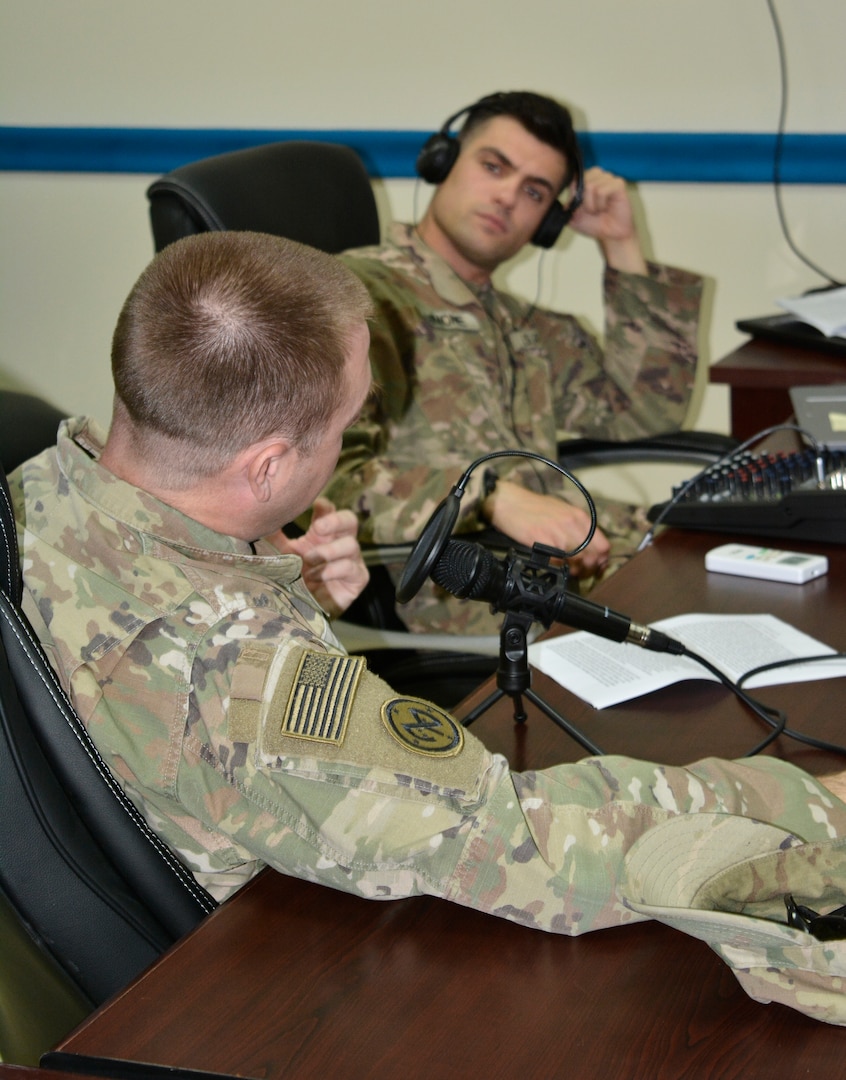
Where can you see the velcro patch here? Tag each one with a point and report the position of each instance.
(453, 320)
(422, 727)
(321, 698)
(247, 691)
(521, 340)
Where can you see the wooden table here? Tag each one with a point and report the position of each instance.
(759, 374)
(32, 1072)
(292, 980)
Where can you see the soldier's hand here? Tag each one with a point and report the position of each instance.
(333, 568)
(606, 215)
(530, 518)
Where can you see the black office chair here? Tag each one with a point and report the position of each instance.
(313, 192)
(92, 885)
(28, 424)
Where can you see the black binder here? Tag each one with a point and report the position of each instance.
(792, 331)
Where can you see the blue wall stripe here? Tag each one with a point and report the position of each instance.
(686, 157)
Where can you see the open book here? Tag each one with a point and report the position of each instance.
(604, 673)
(825, 310)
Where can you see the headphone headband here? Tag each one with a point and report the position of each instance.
(440, 152)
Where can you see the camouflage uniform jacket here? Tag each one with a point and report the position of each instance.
(463, 371)
(217, 694)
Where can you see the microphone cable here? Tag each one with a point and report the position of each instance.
(771, 716)
(808, 740)
(458, 490)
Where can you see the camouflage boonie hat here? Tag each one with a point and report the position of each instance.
(725, 880)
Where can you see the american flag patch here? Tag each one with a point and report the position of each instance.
(322, 696)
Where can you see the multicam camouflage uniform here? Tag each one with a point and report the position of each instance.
(214, 688)
(466, 371)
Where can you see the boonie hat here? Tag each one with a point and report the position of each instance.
(725, 880)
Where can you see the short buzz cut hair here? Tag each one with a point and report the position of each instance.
(228, 338)
(547, 119)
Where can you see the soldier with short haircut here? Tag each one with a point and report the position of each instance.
(194, 640)
(464, 368)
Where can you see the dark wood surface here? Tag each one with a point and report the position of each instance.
(33, 1072)
(760, 373)
(292, 980)
(30, 1072)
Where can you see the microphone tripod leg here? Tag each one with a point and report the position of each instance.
(483, 707)
(565, 725)
(520, 716)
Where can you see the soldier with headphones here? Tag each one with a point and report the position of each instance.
(440, 152)
(464, 368)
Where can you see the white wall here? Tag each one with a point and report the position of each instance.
(72, 245)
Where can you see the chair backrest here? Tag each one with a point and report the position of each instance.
(313, 192)
(92, 883)
(27, 425)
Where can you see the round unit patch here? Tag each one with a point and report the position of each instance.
(423, 727)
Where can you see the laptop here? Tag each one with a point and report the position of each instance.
(821, 410)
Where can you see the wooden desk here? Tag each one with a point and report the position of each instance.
(760, 373)
(292, 980)
(32, 1072)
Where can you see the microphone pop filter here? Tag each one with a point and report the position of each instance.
(429, 546)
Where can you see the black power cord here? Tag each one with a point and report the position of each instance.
(809, 740)
(779, 150)
(772, 717)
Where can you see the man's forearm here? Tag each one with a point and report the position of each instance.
(624, 255)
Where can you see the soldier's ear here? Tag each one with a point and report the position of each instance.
(266, 467)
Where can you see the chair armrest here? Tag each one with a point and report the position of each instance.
(696, 446)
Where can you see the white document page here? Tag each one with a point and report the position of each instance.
(824, 310)
(604, 673)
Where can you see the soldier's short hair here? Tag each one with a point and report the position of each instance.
(544, 117)
(228, 338)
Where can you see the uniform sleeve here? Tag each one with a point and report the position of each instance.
(562, 868)
(641, 381)
(319, 769)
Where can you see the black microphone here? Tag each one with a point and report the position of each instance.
(534, 588)
(437, 530)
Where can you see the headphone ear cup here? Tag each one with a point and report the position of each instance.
(436, 158)
(558, 216)
(552, 225)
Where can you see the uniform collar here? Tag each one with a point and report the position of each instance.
(151, 526)
(446, 283)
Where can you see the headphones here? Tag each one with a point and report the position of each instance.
(440, 152)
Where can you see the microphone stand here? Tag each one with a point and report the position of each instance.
(514, 678)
